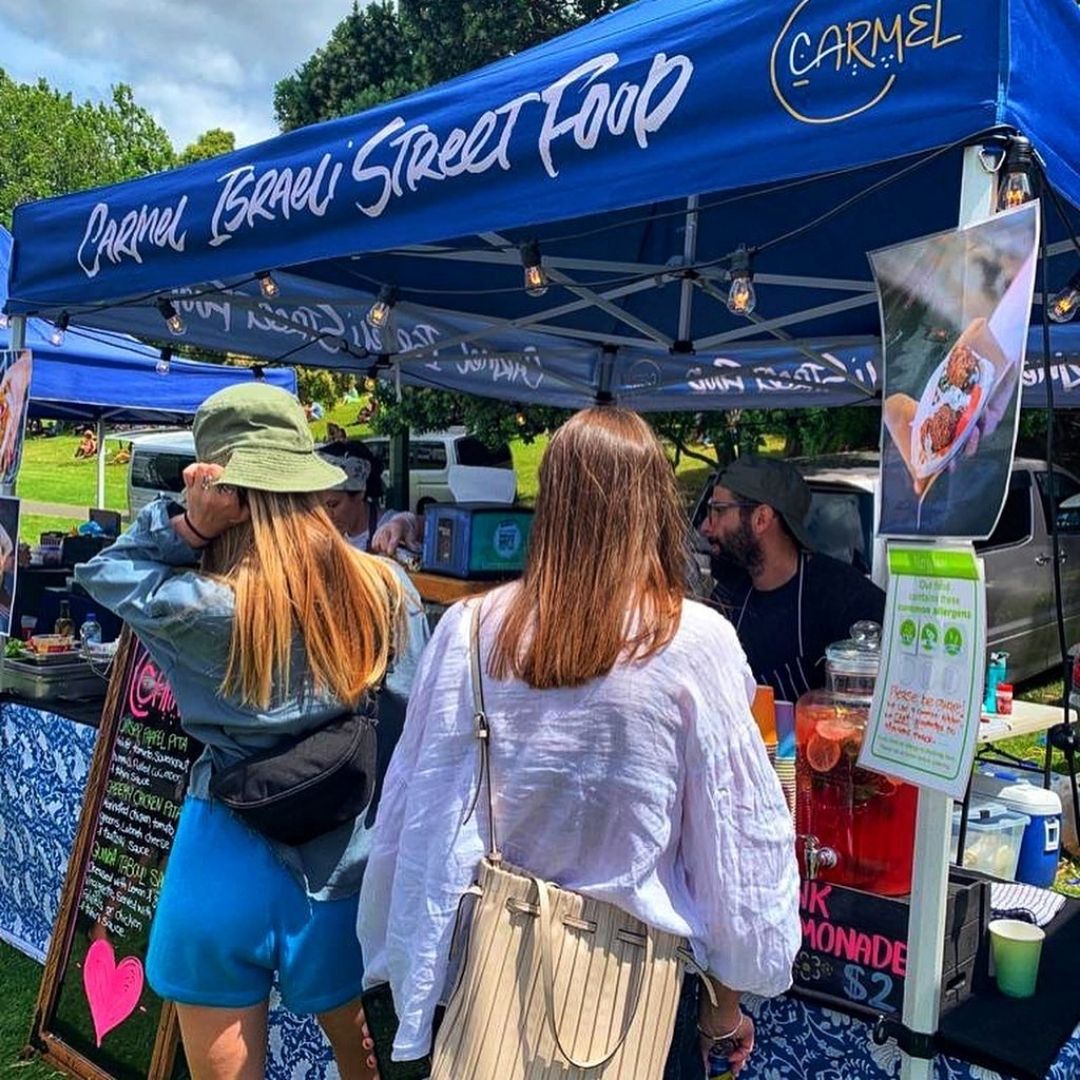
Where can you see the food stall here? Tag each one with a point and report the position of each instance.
(645, 212)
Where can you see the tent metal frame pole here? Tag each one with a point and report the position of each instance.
(933, 828)
(100, 504)
(686, 290)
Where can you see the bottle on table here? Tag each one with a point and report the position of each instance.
(90, 631)
(64, 625)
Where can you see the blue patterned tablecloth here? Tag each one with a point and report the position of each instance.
(44, 760)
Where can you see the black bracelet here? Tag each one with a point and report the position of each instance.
(204, 539)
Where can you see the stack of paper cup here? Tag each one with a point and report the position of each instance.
(785, 769)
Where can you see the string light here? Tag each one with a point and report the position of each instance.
(171, 316)
(536, 279)
(57, 336)
(378, 316)
(164, 362)
(520, 419)
(267, 285)
(1016, 189)
(741, 296)
(371, 384)
(1065, 304)
(3, 321)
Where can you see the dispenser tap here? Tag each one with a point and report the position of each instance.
(816, 857)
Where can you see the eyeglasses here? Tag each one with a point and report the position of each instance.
(719, 506)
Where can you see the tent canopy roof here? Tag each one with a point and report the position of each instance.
(95, 375)
(640, 152)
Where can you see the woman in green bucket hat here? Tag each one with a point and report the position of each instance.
(267, 625)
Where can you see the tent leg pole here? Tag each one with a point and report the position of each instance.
(930, 878)
(100, 464)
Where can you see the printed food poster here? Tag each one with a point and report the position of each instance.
(9, 533)
(15, 370)
(954, 308)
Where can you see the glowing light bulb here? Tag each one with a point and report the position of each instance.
(536, 279)
(3, 321)
(371, 384)
(520, 419)
(57, 335)
(162, 366)
(267, 285)
(1016, 188)
(171, 316)
(1066, 303)
(741, 296)
(378, 316)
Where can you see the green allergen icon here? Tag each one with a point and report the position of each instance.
(908, 632)
(929, 637)
(953, 641)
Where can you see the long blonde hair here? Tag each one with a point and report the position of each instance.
(295, 579)
(608, 556)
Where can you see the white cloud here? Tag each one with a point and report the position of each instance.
(194, 64)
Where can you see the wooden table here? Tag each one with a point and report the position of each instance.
(439, 589)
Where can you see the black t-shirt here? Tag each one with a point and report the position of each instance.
(834, 596)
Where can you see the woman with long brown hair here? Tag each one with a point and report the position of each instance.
(625, 764)
(268, 626)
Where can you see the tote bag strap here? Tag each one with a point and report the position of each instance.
(482, 729)
(547, 975)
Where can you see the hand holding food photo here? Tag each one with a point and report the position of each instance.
(14, 391)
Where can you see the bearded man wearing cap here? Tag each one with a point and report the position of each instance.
(787, 602)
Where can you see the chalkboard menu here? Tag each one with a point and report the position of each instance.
(854, 947)
(97, 1016)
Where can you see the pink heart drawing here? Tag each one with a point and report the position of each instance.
(112, 989)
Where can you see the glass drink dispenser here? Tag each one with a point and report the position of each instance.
(854, 827)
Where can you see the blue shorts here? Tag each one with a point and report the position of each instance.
(230, 914)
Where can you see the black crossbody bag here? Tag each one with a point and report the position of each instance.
(313, 784)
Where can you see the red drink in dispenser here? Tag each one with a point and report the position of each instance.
(862, 818)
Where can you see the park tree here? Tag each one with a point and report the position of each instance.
(209, 144)
(51, 144)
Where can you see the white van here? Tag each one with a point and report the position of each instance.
(158, 461)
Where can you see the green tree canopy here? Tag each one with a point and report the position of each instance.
(209, 144)
(51, 144)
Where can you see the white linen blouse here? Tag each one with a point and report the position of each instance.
(648, 787)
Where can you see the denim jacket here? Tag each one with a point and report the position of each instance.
(184, 618)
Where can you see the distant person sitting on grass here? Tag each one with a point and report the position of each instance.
(87, 447)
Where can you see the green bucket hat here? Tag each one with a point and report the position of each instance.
(260, 435)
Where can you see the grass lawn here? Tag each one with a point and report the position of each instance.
(19, 980)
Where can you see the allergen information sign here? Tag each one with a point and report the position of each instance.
(924, 719)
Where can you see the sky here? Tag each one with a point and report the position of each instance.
(193, 64)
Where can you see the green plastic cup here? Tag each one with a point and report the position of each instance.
(1015, 947)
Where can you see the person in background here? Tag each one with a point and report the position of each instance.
(626, 764)
(87, 447)
(357, 501)
(788, 604)
(230, 597)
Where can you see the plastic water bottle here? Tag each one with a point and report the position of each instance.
(90, 632)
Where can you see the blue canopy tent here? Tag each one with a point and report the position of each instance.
(96, 376)
(639, 152)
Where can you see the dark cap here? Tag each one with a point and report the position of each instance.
(775, 483)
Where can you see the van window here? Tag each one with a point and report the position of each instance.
(1064, 499)
(471, 451)
(158, 472)
(427, 454)
(1014, 525)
